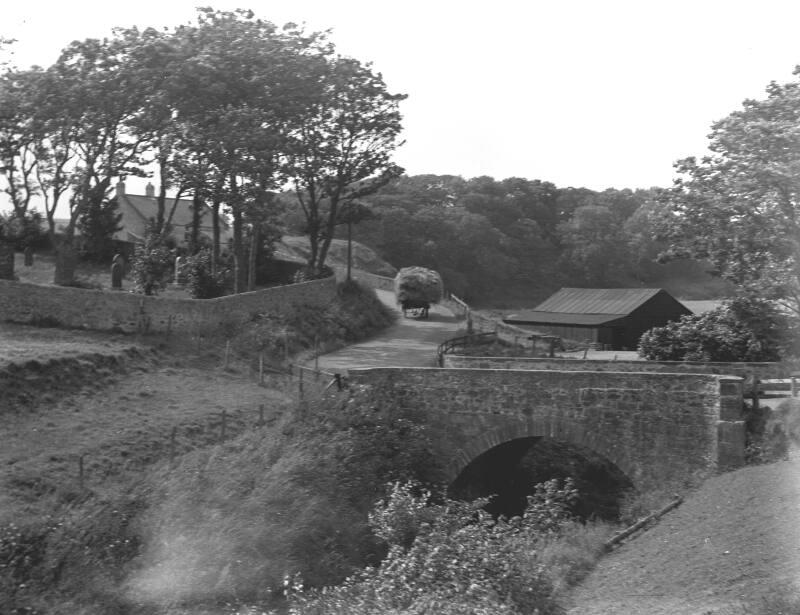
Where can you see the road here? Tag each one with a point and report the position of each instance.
(410, 342)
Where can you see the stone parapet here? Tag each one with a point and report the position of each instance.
(740, 369)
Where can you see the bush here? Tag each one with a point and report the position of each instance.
(459, 560)
(151, 268)
(200, 279)
(743, 329)
(307, 274)
(355, 315)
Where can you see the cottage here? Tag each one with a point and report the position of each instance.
(612, 318)
(137, 209)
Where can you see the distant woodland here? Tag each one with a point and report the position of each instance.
(504, 243)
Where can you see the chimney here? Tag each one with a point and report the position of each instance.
(149, 190)
(121, 188)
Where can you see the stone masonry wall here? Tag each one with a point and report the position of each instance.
(742, 370)
(659, 429)
(128, 312)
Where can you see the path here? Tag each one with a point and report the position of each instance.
(410, 342)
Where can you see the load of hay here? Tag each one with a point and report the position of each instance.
(418, 285)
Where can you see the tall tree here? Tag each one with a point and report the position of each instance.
(342, 149)
(74, 140)
(739, 207)
(242, 85)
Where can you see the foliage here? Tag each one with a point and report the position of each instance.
(202, 281)
(341, 150)
(356, 314)
(152, 265)
(743, 329)
(452, 557)
(740, 206)
(97, 224)
(23, 230)
(515, 241)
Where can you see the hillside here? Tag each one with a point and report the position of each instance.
(733, 548)
(296, 248)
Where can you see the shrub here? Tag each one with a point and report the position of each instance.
(743, 329)
(151, 268)
(307, 274)
(356, 314)
(452, 557)
(200, 278)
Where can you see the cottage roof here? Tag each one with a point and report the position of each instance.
(137, 209)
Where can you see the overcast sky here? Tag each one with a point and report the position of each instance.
(594, 93)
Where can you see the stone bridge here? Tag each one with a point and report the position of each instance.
(658, 428)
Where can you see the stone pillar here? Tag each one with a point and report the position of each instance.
(731, 429)
(6, 260)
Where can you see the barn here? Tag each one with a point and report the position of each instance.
(612, 318)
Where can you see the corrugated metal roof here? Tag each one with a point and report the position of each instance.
(560, 318)
(607, 301)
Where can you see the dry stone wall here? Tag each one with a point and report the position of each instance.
(128, 312)
(657, 428)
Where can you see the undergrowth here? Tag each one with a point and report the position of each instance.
(355, 315)
(452, 557)
(225, 522)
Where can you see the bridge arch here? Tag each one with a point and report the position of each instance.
(508, 472)
(569, 433)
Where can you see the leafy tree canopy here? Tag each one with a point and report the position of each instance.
(739, 207)
(743, 329)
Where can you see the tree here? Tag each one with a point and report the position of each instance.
(743, 329)
(151, 267)
(240, 86)
(594, 245)
(341, 150)
(739, 207)
(97, 225)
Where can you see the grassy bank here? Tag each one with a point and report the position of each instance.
(146, 534)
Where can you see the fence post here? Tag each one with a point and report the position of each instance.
(794, 385)
(300, 384)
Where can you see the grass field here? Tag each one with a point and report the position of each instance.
(88, 420)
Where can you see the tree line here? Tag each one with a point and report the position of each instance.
(501, 241)
(230, 110)
(238, 113)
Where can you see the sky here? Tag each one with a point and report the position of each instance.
(584, 93)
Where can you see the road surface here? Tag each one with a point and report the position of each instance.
(410, 342)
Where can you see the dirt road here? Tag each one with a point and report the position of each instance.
(410, 342)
